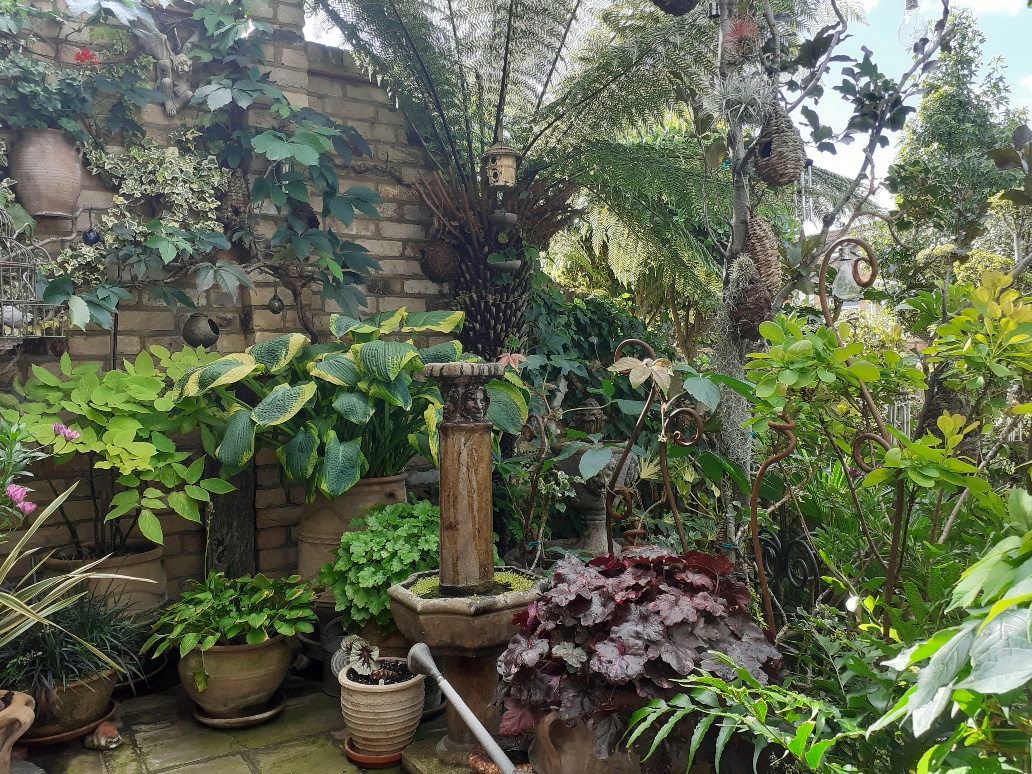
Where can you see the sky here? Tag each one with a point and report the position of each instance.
(1006, 24)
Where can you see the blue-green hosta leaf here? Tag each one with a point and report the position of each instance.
(508, 407)
(276, 353)
(386, 359)
(299, 455)
(237, 445)
(353, 406)
(396, 392)
(593, 460)
(225, 370)
(342, 466)
(337, 369)
(341, 325)
(703, 390)
(282, 403)
(445, 352)
(442, 322)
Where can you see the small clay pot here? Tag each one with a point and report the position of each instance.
(382, 719)
(48, 171)
(200, 330)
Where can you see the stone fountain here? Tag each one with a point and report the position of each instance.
(468, 624)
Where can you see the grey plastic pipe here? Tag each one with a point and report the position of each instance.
(421, 662)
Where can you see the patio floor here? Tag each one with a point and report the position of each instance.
(160, 735)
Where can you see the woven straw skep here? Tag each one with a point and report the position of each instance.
(748, 300)
(762, 245)
(780, 154)
(440, 260)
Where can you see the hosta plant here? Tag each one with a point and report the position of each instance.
(638, 621)
(356, 406)
(390, 543)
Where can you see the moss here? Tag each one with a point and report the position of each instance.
(505, 580)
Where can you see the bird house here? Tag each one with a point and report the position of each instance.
(21, 314)
(500, 163)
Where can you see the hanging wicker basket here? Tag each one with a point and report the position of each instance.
(780, 154)
(675, 7)
(439, 261)
(748, 299)
(762, 245)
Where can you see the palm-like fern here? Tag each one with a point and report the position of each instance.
(550, 77)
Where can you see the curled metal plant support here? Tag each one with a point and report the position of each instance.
(669, 414)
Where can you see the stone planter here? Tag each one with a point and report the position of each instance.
(16, 715)
(240, 677)
(381, 719)
(48, 173)
(324, 521)
(147, 589)
(74, 710)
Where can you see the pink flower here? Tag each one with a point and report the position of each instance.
(64, 430)
(17, 493)
(26, 507)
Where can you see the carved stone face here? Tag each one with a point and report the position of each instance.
(181, 64)
(474, 403)
(591, 420)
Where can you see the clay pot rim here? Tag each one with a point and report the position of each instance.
(237, 648)
(351, 685)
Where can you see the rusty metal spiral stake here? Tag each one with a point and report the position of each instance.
(783, 428)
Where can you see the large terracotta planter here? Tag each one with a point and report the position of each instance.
(324, 521)
(240, 677)
(17, 711)
(47, 171)
(76, 706)
(148, 589)
(381, 719)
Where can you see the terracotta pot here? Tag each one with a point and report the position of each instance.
(324, 521)
(239, 676)
(144, 564)
(382, 719)
(76, 705)
(48, 173)
(16, 715)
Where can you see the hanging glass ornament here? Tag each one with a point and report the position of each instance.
(275, 303)
(913, 29)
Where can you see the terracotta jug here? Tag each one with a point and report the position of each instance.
(48, 173)
(560, 749)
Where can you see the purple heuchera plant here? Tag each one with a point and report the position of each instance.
(640, 621)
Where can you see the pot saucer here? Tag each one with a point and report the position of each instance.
(67, 736)
(274, 707)
(367, 760)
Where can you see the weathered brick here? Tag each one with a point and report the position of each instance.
(83, 346)
(147, 321)
(272, 537)
(422, 287)
(381, 247)
(273, 517)
(296, 57)
(402, 230)
(269, 498)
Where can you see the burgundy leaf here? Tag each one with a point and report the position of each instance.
(619, 661)
(675, 607)
(608, 729)
(517, 717)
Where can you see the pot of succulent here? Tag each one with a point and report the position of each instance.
(354, 408)
(69, 667)
(384, 547)
(381, 701)
(230, 635)
(115, 429)
(45, 104)
(608, 636)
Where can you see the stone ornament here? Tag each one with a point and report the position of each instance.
(171, 68)
(591, 419)
(464, 389)
(16, 715)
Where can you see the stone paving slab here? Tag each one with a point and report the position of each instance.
(161, 737)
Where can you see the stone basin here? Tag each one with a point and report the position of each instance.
(460, 626)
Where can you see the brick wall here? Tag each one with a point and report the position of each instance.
(327, 80)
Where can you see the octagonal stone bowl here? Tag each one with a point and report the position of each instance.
(460, 626)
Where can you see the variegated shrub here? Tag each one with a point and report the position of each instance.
(357, 406)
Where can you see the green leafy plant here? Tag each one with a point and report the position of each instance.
(36, 95)
(385, 546)
(233, 611)
(337, 411)
(120, 421)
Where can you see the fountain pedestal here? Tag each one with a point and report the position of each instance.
(466, 625)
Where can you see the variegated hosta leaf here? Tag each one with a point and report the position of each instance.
(396, 393)
(341, 325)
(337, 369)
(353, 406)
(237, 445)
(387, 322)
(276, 353)
(282, 402)
(342, 465)
(431, 450)
(508, 408)
(299, 455)
(442, 322)
(445, 352)
(386, 359)
(225, 370)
